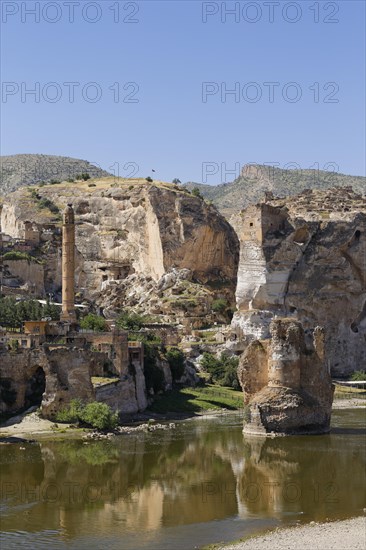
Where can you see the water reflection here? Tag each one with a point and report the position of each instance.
(201, 472)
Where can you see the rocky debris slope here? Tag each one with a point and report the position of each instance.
(132, 239)
(286, 382)
(255, 180)
(306, 257)
(19, 170)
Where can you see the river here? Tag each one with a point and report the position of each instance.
(199, 483)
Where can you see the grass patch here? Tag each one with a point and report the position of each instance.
(196, 400)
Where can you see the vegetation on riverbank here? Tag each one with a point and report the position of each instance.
(198, 400)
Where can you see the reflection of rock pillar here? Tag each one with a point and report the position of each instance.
(68, 265)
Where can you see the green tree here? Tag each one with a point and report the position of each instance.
(130, 321)
(223, 370)
(93, 322)
(175, 359)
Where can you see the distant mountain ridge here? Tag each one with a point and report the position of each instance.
(250, 187)
(20, 170)
(255, 180)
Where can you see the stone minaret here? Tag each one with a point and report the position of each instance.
(68, 266)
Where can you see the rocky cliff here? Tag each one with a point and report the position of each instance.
(306, 258)
(152, 246)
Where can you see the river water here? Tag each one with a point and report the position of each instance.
(199, 483)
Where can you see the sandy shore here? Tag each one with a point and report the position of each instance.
(31, 425)
(349, 534)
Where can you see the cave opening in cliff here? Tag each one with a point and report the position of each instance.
(35, 388)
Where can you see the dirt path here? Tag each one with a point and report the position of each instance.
(349, 534)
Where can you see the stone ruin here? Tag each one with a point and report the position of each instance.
(286, 382)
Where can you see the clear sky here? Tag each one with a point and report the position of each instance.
(162, 71)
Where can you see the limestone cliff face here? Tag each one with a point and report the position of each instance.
(127, 228)
(286, 382)
(306, 257)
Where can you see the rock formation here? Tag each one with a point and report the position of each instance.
(130, 234)
(286, 383)
(305, 257)
(54, 375)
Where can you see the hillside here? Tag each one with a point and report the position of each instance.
(255, 180)
(19, 170)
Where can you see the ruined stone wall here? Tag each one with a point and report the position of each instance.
(312, 268)
(286, 382)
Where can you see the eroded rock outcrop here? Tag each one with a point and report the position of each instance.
(286, 382)
(129, 235)
(306, 257)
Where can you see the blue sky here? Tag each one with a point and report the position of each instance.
(168, 118)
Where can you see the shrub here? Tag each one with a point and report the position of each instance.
(175, 359)
(149, 179)
(196, 192)
(46, 203)
(85, 176)
(70, 180)
(176, 181)
(359, 375)
(219, 305)
(97, 415)
(54, 182)
(93, 322)
(72, 413)
(130, 187)
(91, 185)
(100, 416)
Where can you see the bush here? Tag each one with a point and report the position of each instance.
(96, 415)
(196, 192)
(176, 181)
(84, 176)
(100, 416)
(358, 376)
(223, 371)
(46, 203)
(93, 322)
(54, 182)
(175, 359)
(91, 185)
(219, 306)
(149, 179)
(70, 180)
(72, 413)
(130, 187)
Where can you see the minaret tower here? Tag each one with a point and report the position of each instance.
(68, 266)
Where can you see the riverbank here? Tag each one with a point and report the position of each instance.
(190, 403)
(348, 534)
